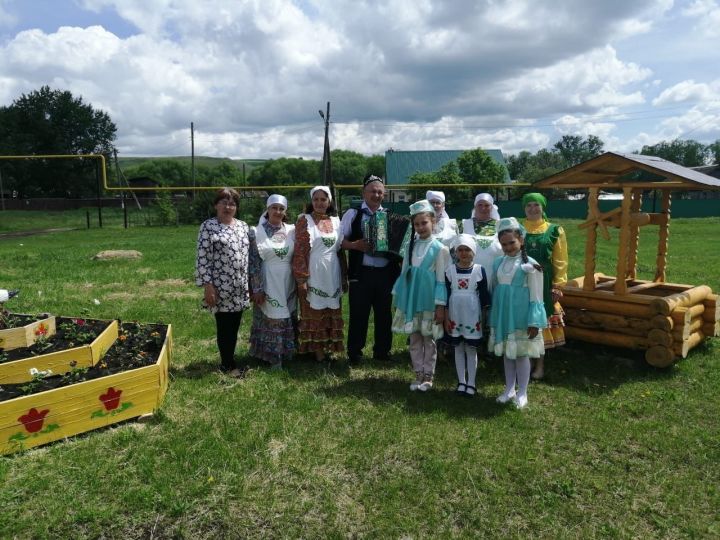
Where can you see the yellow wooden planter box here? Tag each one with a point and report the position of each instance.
(25, 336)
(41, 418)
(60, 362)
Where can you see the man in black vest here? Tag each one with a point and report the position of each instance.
(371, 278)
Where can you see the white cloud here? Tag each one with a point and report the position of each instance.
(698, 123)
(416, 74)
(707, 13)
(7, 19)
(72, 50)
(576, 125)
(587, 82)
(689, 91)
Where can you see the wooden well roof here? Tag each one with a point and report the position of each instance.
(615, 170)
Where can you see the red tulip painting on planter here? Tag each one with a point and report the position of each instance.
(34, 423)
(111, 403)
(127, 379)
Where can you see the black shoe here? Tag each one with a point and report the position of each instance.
(382, 357)
(354, 359)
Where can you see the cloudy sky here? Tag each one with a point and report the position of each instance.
(406, 74)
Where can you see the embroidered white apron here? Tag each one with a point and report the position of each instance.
(464, 310)
(276, 253)
(324, 286)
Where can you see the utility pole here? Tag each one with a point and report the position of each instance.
(327, 168)
(192, 156)
(2, 192)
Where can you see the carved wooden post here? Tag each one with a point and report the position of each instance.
(634, 235)
(591, 244)
(661, 261)
(622, 262)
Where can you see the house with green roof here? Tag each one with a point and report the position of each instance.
(401, 164)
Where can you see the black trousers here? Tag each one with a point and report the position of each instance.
(373, 290)
(228, 325)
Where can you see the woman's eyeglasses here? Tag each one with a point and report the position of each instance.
(228, 204)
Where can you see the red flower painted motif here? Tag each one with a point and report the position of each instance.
(41, 330)
(111, 399)
(33, 420)
(463, 283)
(452, 324)
(478, 326)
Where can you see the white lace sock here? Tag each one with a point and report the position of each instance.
(460, 362)
(509, 376)
(523, 374)
(472, 361)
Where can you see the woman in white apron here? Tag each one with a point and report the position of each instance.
(445, 228)
(272, 335)
(319, 276)
(482, 225)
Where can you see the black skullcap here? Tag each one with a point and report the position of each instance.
(372, 178)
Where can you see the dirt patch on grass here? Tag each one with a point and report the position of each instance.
(186, 294)
(121, 296)
(173, 282)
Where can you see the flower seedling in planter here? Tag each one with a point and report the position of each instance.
(34, 384)
(130, 380)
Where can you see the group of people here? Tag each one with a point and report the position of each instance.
(495, 283)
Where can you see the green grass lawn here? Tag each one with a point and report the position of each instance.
(609, 447)
(17, 221)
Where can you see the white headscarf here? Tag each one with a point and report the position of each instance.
(494, 214)
(275, 198)
(437, 196)
(326, 189)
(466, 240)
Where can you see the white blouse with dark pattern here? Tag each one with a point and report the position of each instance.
(222, 259)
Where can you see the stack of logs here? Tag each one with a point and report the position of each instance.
(666, 327)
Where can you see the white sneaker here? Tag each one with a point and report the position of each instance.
(506, 397)
(414, 385)
(521, 402)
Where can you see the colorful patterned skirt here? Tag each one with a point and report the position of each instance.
(272, 340)
(554, 335)
(320, 329)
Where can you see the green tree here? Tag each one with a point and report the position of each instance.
(517, 164)
(477, 166)
(166, 172)
(688, 153)
(348, 167)
(574, 149)
(375, 164)
(223, 174)
(471, 167)
(286, 171)
(53, 122)
(714, 152)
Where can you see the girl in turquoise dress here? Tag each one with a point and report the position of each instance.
(517, 312)
(420, 295)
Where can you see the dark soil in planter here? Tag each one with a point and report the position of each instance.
(138, 345)
(16, 320)
(69, 333)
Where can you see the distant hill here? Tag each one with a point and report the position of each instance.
(250, 164)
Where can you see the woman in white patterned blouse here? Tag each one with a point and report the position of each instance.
(223, 251)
